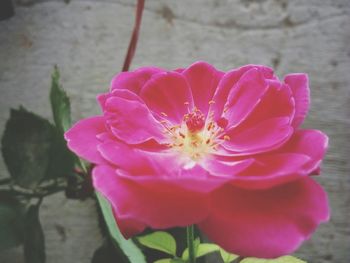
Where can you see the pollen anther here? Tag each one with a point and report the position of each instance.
(197, 136)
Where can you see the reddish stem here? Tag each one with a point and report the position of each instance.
(135, 35)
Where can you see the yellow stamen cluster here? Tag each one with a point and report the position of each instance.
(195, 143)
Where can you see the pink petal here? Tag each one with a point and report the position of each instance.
(265, 136)
(244, 96)
(266, 223)
(317, 171)
(195, 179)
(168, 94)
(128, 227)
(228, 82)
(269, 170)
(82, 138)
(203, 79)
(122, 93)
(152, 168)
(221, 168)
(276, 102)
(179, 70)
(299, 84)
(312, 143)
(132, 122)
(300, 156)
(137, 161)
(161, 206)
(134, 80)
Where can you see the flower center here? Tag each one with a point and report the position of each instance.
(196, 137)
(195, 121)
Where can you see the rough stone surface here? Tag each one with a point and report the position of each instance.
(88, 39)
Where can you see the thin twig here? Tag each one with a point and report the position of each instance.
(135, 35)
(5, 181)
(43, 190)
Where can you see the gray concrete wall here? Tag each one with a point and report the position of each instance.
(88, 40)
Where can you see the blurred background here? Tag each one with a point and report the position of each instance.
(88, 40)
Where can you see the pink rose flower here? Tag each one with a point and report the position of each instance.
(222, 150)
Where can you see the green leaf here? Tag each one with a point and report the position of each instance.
(132, 252)
(34, 150)
(164, 260)
(196, 244)
(227, 257)
(202, 250)
(169, 260)
(60, 103)
(34, 240)
(161, 241)
(11, 221)
(284, 259)
(61, 158)
(26, 146)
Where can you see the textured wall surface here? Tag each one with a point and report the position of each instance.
(88, 40)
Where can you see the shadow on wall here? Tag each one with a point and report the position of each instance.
(6, 9)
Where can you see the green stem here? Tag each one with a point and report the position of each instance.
(82, 165)
(190, 244)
